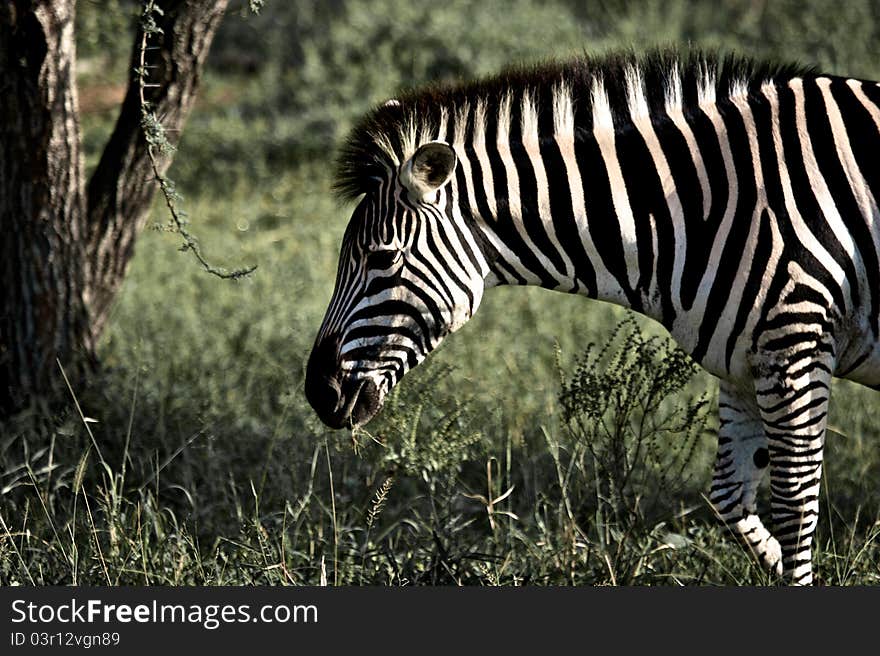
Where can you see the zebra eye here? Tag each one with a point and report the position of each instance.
(383, 259)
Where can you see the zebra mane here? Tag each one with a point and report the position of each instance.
(629, 83)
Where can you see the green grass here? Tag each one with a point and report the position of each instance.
(213, 468)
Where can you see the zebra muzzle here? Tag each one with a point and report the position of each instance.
(338, 403)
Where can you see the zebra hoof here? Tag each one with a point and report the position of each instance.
(771, 558)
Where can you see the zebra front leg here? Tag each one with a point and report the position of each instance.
(740, 466)
(793, 395)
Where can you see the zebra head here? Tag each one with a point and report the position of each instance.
(409, 274)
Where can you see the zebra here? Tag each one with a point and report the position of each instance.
(733, 201)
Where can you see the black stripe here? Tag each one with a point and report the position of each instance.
(760, 260)
(863, 135)
(389, 309)
(504, 226)
(701, 231)
(734, 245)
(684, 174)
(443, 253)
(529, 206)
(601, 220)
(804, 198)
(562, 213)
(377, 330)
(645, 192)
(420, 291)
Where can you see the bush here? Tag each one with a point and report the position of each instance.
(625, 406)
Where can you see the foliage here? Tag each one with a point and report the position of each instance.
(634, 431)
(104, 28)
(621, 408)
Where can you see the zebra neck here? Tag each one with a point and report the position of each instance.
(586, 213)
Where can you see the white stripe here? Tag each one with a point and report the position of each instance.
(563, 118)
(638, 107)
(468, 194)
(443, 126)
(706, 87)
(675, 111)
(502, 138)
(478, 141)
(739, 90)
(603, 132)
(725, 325)
(563, 110)
(673, 96)
(800, 277)
(689, 340)
(465, 230)
(820, 187)
(637, 103)
(532, 143)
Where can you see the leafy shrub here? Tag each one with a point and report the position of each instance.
(633, 433)
(624, 405)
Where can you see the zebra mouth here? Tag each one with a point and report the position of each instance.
(341, 401)
(356, 403)
(363, 404)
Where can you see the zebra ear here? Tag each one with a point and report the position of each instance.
(430, 167)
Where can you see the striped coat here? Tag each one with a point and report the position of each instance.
(733, 201)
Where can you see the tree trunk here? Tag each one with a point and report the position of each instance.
(65, 249)
(42, 201)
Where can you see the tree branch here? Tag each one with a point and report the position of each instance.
(158, 144)
(121, 189)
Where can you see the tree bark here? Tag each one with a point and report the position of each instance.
(65, 248)
(42, 201)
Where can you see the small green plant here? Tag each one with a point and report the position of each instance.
(633, 430)
(421, 439)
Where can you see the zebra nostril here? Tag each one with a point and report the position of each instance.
(325, 396)
(336, 389)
